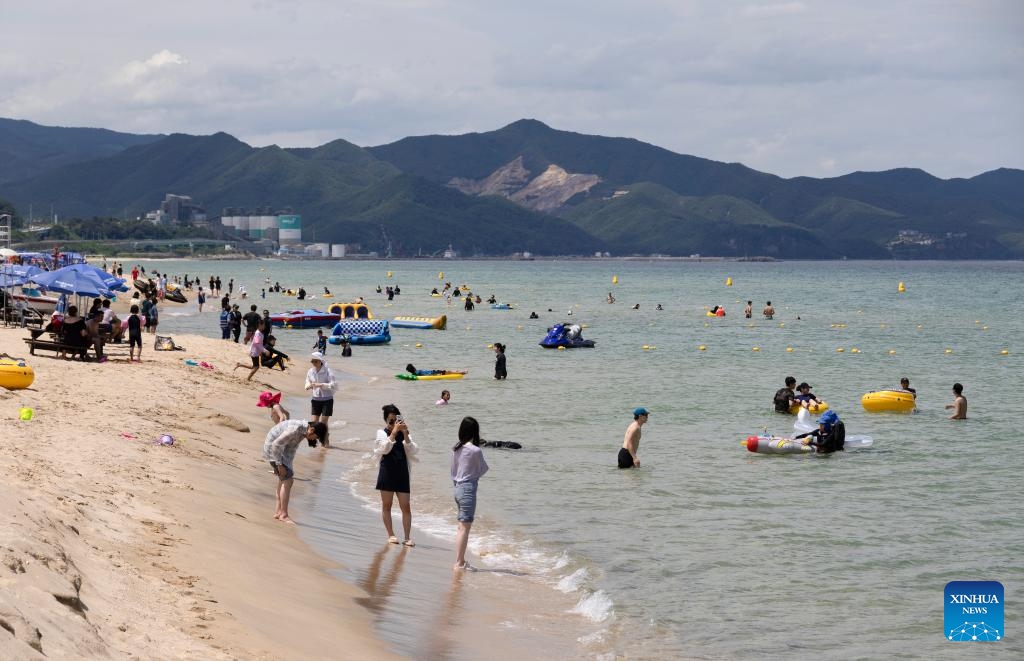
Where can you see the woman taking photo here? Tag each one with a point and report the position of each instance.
(468, 466)
(394, 449)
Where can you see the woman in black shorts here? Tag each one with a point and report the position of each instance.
(394, 450)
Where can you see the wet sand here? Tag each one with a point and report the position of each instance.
(120, 547)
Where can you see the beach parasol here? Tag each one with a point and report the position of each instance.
(22, 270)
(79, 281)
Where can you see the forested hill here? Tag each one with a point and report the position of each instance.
(527, 187)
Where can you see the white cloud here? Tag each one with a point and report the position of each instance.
(133, 71)
(786, 87)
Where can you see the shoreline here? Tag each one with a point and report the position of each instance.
(119, 547)
(103, 525)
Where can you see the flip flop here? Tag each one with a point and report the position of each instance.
(392, 540)
(409, 543)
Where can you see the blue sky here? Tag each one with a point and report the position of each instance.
(793, 88)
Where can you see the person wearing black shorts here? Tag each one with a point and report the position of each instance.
(320, 380)
(134, 334)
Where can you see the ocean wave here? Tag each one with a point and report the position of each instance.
(596, 606)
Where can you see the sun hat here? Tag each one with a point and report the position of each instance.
(316, 355)
(804, 385)
(640, 411)
(268, 399)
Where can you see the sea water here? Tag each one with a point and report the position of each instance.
(709, 551)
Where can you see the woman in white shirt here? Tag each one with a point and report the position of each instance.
(468, 466)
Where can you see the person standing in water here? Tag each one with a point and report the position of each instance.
(321, 381)
(959, 404)
(631, 441)
(500, 372)
(468, 466)
(393, 451)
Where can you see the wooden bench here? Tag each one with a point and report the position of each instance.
(53, 345)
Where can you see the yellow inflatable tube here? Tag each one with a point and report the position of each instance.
(813, 408)
(15, 374)
(892, 401)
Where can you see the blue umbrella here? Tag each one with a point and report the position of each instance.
(21, 270)
(111, 281)
(10, 280)
(76, 280)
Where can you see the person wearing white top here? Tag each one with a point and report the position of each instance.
(321, 381)
(468, 466)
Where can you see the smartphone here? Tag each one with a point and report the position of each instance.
(399, 419)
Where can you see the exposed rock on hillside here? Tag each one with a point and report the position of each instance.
(547, 192)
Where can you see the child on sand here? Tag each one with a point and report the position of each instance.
(272, 401)
(134, 334)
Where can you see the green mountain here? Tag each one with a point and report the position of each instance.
(344, 194)
(28, 149)
(650, 218)
(524, 187)
(903, 212)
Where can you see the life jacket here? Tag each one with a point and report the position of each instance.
(835, 439)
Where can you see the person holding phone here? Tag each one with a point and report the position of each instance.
(393, 451)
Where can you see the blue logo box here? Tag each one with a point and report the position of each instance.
(973, 611)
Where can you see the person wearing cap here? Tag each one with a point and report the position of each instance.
(321, 381)
(829, 437)
(631, 441)
(785, 397)
(279, 449)
(804, 395)
(272, 401)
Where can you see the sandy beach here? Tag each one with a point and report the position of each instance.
(116, 547)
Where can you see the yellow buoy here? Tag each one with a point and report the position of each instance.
(728, 282)
(755, 349)
(782, 324)
(615, 279)
(949, 351)
(418, 345)
(490, 346)
(389, 274)
(789, 349)
(840, 350)
(646, 347)
(702, 348)
(855, 350)
(902, 288)
(1004, 352)
(561, 348)
(892, 352)
(440, 275)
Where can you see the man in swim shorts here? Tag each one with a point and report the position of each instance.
(631, 441)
